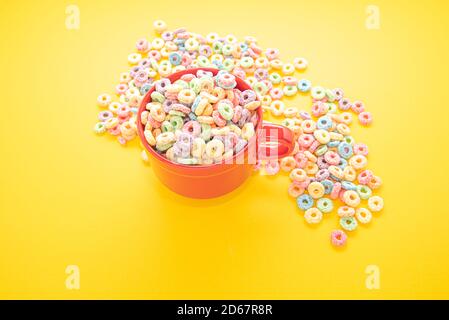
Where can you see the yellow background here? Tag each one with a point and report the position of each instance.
(68, 197)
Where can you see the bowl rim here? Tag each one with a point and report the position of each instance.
(241, 85)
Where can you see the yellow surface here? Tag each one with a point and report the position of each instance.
(68, 197)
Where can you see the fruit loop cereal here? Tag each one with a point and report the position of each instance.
(203, 119)
(200, 119)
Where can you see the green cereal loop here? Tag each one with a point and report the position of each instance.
(176, 113)
(318, 93)
(154, 64)
(275, 78)
(348, 223)
(330, 95)
(217, 46)
(225, 110)
(188, 161)
(195, 85)
(228, 65)
(182, 84)
(167, 126)
(321, 150)
(332, 107)
(260, 88)
(176, 122)
(99, 127)
(157, 97)
(216, 57)
(227, 49)
(206, 81)
(325, 205)
(288, 122)
(165, 63)
(364, 192)
(164, 147)
(290, 91)
(247, 62)
(203, 61)
(349, 140)
(206, 131)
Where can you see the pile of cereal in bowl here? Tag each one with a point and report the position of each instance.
(200, 118)
(203, 119)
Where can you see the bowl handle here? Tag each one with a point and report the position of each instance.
(274, 141)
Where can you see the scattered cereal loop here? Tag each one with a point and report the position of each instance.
(202, 119)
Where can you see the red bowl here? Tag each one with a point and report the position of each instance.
(271, 141)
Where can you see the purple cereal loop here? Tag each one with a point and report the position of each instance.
(247, 96)
(141, 76)
(344, 104)
(144, 63)
(246, 115)
(261, 74)
(241, 143)
(339, 93)
(322, 174)
(181, 149)
(202, 73)
(321, 162)
(205, 50)
(105, 115)
(167, 36)
(305, 115)
(161, 85)
(134, 71)
(185, 138)
(167, 105)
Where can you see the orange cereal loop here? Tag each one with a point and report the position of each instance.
(311, 168)
(345, 211)
(298, 175)
(288, 164)
(351, 198)
(295, 190)
(156, 132)
(316, 190)
(375, 182)
(349, 173)
(346, 118)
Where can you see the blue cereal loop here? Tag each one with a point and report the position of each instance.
(347, 185)
(175, 58)
(304, 202)
(333, 144)
(243, 46)
(345, 150)
(324, 123)
(348, 223)
(325, 205)
(328, 185)
(195, 103)
(304, 85)
(343, 163)
(144, 89)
